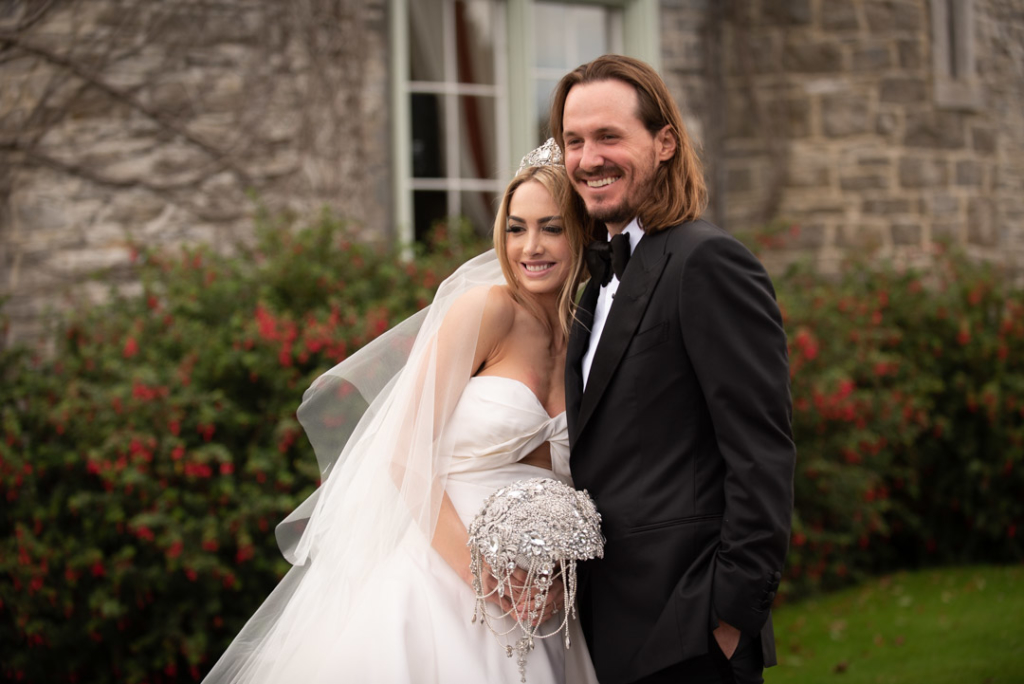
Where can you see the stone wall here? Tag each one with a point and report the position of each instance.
(158, 122)
(127, 120)
(837, 120)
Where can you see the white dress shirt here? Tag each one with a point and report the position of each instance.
(604, 300)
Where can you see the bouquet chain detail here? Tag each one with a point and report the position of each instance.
(543, 527)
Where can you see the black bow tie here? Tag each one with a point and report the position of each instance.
(605, 257)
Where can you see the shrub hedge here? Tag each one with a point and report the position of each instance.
(144, 463)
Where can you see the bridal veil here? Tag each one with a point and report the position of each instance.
(377, 424)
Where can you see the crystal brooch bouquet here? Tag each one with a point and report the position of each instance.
(543, 527)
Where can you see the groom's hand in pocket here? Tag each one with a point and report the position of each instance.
(728, 638)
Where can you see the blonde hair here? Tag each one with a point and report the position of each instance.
(556, 181)
(680, 193)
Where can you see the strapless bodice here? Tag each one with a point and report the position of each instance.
(499, 421)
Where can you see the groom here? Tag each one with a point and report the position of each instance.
(677, 395)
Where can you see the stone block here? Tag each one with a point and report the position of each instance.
(874, 181)
(886, 123)
(911, 54)
(983, 140)
(789, 13)
(791, 115)
(808, 236)
(865, 237)
(906, 233)
(970, 173)
(871, 57)
(808, 171)
(739, 180)
(844, 115)
(981, 228)
(839, 15)
(902, 90)
(946, 231)
(819, 57)
(941, 205)
(887, 206)
(887, 16)
(937, 130)
(739, 118)
(922, 172)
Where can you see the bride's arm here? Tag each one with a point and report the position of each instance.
(450, 536)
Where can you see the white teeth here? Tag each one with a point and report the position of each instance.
(536, 268)
(601, 182)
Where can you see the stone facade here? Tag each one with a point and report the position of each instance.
(840, 119)
(170, 122)
(123, 120)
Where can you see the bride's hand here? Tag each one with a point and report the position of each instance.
(490, 589)
(554, 602)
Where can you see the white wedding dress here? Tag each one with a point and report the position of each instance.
(412, 623)
(369, 601)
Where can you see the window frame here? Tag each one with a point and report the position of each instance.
(514, 107)
(953, 59)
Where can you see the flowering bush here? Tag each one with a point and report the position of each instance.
(145, 462)
(144, 465)
(908, 398)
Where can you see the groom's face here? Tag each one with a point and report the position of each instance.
(610, 155)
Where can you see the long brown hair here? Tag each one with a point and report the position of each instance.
(679, 192)
(556, 181)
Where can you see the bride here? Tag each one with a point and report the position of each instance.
(412, 434)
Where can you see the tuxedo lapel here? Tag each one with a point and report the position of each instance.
(627, 309)
(579, 340)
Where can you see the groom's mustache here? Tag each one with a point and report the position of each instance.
(602, 171)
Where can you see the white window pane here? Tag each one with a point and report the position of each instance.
(428, 140)
(429, 208)
(474, 31)
(479, 208)
(549, 22)
(478, 137)
(427, 38)
(544, 89)
(590, 25)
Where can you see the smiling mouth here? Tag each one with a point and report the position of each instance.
(602, 182)
(538, 268)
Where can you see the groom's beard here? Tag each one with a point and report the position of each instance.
(635, 197)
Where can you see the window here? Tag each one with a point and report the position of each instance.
(565, 36)
(471, 87)
(454, 97)
(956, 85)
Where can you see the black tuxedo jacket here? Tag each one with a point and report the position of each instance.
(683, 439)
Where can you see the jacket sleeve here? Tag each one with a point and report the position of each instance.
(734, 335)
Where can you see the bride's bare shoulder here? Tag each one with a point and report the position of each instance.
(491, 306)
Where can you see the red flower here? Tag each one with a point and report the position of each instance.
(131, 348)
(227, 468)
(175, 549)
(245, 552)
(98, 570)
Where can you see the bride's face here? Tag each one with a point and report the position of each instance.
(535, 241)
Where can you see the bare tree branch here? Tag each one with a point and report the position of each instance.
(96, 81)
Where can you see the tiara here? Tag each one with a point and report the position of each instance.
(548, 154)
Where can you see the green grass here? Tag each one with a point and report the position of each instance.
(949, 626)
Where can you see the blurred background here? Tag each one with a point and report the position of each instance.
(203, 205)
